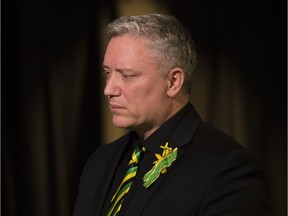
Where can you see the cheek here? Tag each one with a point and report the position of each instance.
(147, 94)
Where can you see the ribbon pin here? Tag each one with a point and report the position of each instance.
(160, 166)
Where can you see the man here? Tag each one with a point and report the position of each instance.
(186, 167)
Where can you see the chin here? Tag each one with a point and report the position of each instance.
(121, 123)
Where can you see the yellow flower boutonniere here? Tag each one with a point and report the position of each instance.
(160, 166)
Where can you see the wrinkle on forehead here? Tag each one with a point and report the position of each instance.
(128, 53)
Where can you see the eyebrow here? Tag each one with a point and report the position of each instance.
(105, 67)
(120, 70)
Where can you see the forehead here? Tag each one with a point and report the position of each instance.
(128, 49)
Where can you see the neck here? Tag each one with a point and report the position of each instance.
(174, 109)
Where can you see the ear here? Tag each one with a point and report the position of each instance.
(175, 81)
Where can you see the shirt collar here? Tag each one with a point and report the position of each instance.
(163, 133)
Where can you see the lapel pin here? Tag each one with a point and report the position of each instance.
(160, 165)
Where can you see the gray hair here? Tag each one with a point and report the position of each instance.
(171, 41)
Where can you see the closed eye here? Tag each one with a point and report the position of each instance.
(129, 75)
(106, 73)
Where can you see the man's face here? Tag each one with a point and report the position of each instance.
(137, 94)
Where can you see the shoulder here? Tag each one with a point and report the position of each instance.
(207, 136)
(216, 150)
(227, 172)
(234, 174)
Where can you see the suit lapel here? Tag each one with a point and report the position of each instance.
(181, 137)
(106, 180)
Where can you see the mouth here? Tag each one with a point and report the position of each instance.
(114, 108)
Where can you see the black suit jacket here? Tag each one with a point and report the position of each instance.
(213, 175)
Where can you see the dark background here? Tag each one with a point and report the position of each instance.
(51, 90)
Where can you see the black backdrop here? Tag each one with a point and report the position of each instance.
(50, 88)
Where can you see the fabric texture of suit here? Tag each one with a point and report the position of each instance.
(212, 176)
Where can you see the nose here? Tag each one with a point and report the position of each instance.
(112, 87)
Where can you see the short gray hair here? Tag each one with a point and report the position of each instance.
(172, 42)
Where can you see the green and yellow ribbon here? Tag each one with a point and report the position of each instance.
(160, 166)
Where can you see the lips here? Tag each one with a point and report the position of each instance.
(112, 105)
(115, 107)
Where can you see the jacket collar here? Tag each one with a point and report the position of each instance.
(167, 130)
